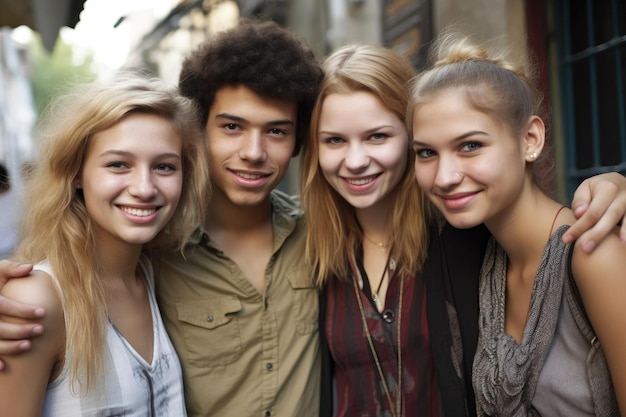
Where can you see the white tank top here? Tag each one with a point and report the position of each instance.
(131, 387)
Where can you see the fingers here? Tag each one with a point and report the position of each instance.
(588, 231)
(17, 309)
(599, 204)
(596, 223)
(14, 347)
(10, 269)
(12, 333)
(13, 339)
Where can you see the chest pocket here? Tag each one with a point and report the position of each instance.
(211, 330)
(305, 301)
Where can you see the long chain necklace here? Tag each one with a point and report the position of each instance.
(375, 297)
(396, 409)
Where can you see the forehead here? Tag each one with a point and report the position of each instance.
(356, 109)
(241, 101)
(133, 132)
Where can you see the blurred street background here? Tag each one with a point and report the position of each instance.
(578, 45)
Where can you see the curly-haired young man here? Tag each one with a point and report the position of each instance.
(242, 309)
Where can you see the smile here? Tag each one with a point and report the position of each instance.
(360, 181)
(249, 176)
(138, 212)
(457, 201)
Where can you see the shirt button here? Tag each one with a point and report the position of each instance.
(268, 413)
(269, 367)
(209, 319)
(389, 316)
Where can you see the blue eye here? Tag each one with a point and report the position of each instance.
(471, 146)
(424, 153)
(334, 140)
(379, 136)
(165, 167)
(117, 164)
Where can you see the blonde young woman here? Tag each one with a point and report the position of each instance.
(121, 172)
(552, 317)
(367, 236)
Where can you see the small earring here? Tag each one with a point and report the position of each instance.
(458, 175)
(533, 156)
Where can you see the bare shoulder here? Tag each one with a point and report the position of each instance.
(23, 385)
(607, 263)
(38, 289)
(601, 280)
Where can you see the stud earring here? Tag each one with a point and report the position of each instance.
(533, 156)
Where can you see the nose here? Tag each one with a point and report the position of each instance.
(143, 185)
(449, 173)
(356, 157)
(253, 147)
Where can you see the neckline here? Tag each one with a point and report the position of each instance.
(545, 256)
(367, 288)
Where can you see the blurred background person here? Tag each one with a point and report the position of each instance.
(8, 214)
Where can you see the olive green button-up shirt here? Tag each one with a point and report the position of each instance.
(244, 354)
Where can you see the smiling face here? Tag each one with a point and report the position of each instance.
(251, 140)
(131, 179)
(470, 165)
(362, 148)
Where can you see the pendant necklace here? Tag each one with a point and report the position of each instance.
(395, 408)
(375, 297)
(380, 245)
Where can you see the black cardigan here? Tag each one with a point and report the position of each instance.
(451, 270)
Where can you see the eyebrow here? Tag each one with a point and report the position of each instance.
(459, 138)
(368, 131)
(128, 154)
(233, 118)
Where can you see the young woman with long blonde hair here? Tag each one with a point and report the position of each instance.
(121, 176)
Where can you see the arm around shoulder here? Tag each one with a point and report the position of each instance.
(601, 280)
(24, 381)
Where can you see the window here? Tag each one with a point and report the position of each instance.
(591, 38)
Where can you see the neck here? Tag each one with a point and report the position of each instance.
(523, 230)
(118, 262)
(374, 224)
(224, 215)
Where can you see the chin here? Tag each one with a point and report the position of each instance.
(460, 223)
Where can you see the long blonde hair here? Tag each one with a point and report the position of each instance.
(56, 226)
(333, 231)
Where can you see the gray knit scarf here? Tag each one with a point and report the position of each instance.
(505, 374)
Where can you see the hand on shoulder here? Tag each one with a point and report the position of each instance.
(37, 289)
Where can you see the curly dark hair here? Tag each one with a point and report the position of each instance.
(261, 55)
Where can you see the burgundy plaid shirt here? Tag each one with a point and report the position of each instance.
(359, 389)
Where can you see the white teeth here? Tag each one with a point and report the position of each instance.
(361, 181)
(250, 176)
(138, 212)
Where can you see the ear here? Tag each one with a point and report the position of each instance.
(534, 138)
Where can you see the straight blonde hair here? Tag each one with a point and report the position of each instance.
(333, 232)
(56, 226)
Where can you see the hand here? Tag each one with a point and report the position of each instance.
(599, 204)
(14, 337)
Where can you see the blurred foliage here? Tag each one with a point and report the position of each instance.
(53, 73)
